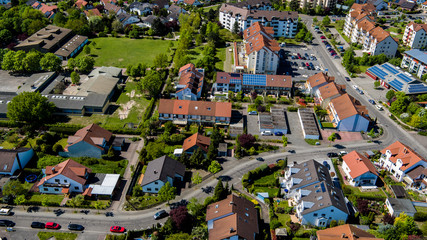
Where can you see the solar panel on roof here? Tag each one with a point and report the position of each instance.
(236, 75)
(254, 80)
(377, 72)
(322, 185)
(396, 84)
(390, 68)
(404, 77)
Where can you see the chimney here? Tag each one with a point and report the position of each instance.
(354, 235)
(343, 235)
(231, 230)
(231, 203)
(155, 171)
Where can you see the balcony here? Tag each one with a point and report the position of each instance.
(59, 185)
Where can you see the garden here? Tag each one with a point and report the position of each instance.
(56, 235)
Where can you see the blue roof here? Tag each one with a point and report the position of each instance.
(377, 72)
(254, 80)
(396, 84)
(390, 68)
(419, 55)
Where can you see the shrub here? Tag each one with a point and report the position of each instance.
(420, 216)
(274, 223)
(292, 109)
(333, 223)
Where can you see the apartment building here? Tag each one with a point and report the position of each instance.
(190, 83)
(261, 50)
(310, 189)
(326, 93)
(357, 13)
(268, 84)
(186, 111)
(415, 35)
(416, 62)
(399, 159)
(284, 23)
(312, 4)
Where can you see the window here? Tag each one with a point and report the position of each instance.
(315, 215)
(45, 189)
(156, 183)
(148, 189)
(76, 188)
(65, 181)
(56, 189)
(323, 215)
(57, 180)
(156, 189)
(332, 210)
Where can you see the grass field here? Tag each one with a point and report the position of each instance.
(120, 52)
(51, 198)
(196, 54)
(56, 235)
(357, 192)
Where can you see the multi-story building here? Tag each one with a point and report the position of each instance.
(361, 30)
(347, 114)
(268, 84)
(359, 170)
(393, 77)
(190, 83)
(324, 94)
(379, 4)
(357, 13)
(284, 23)
(378, 41)
(400, 159)
(261, 50)
(310, 188)
(345, 232)
(186, 111)
(416, 62)
(312, 4)
(415, 35)
(316, 81)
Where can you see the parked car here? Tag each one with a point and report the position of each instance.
(117, 229)
(302, 64)
(37, 225)
(278, 133)
(160, 214)
(75, 227)
(266, 133)
(260, 159)
(6, 223)
(322, 37)
(5, 211)
(347, 79)
(379, 107)
(355, 87)
(342, 153)
(332, 154)
(372, 101)
(253, 113)
(361, 92)
(52, 225)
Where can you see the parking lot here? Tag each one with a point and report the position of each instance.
(296, 67)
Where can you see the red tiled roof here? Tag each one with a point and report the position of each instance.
(81, 3)
(224, 77)
(279, 81)
(70, 169)
(90, 134)
(187, 107)
(197, 139)
(346, 106)
(406, 154)
(258, 37)
(347, 231)
(318, 79)
(379, 33)
(93, 12)
(191, 78)
(329, 90)
(358, 164)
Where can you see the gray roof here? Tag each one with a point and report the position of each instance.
(140, 5)
(108, 71)
(398, 191)
(257, 14)
(417, 54)
(308, 173)
(308, 121)
(402, 205)
(37, 82)
(252, 3)
(222, 147)
(47, 38)
(69, 47)
(161, 168)
(5, 97)
(7, 158)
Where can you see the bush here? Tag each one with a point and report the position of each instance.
(292, 109)
(420, 216)
(274, 223)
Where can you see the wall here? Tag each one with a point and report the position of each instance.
(354, 123)
(335, 215)
(153, 186)
(24, 157)
(84, 149)
(62, 180)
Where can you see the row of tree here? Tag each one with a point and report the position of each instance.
(30, 62)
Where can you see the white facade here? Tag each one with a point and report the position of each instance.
(414, 39)
(388, 46)
(395, 168)
(414, 65)
(312, 4)
(55, 184)
(263, 61)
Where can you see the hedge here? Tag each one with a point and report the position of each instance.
(70, 129)
(10, 124)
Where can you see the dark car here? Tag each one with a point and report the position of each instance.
(371, 101)
(278, 133)
(75, 227)
(332, 154)
(160, 214)
(280, 159)
(260, 159)
(347, 79)
(37, 225)
(6, 223)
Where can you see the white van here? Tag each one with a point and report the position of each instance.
(266, 133)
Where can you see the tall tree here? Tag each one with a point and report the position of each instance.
(181, 219)
(214, 167)
(152, 83)
(75, 78)
(220, 193)
(326, 21)
(32, 61)
(31, 108)
(332, 138)
(85, 64)
(50, 62)
(167, 192)
(160, 61)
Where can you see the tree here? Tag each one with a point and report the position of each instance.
(59, 19)
(87, 50)
(57, 148)
(400, 105)
(181, 218)
(161, 61)
(395, 61)
(246, 140)
(377, 84)
(31, 108)
(85, 64)
(388, 219)
(20, 200)
(294, 5)
(72, 64)
(98, 205)
(179, 236)
(315, 20)
(236, 28)
(77, 201)
(75, 78)
(45, 202)
(196, 179)
(212, 153)
(159, 29)
(194, 207)
(390, 94)
(285, 141)
(167, 192)
(5, 37)
(405, 225)
(117, 26)
(50, 62)
(152, 83)
(13, 188)
(214, 167)
(326, 21)
(220, 192)
(332, 138)
(32, 61)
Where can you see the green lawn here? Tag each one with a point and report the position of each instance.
(51, 198)
(272, 192)
(195, 54)
(266, 179)
(357, 192)
(113, 120)
(312, 141)
(141, 202)
(206, 9)
(327, 125)
(57, 235)
(120, 52)
(421, 209)
(220, 54)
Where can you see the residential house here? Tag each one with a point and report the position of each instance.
(378, 41)
(92, 12)
(232, 218)
(112, 8)
(399, 159)
(161, 4)
(102, 186)
(417, 178)
(424, 6)
(325, 93)
(347, 114)
(261, 50)
(91, 141)
(359, 170)
(127, 19)
(174, 12)
(415, 35)
(159, 171)
(379, 4)
(194, 3)
(393, 77)
(14, 159)
(268, 84)
(396, 206)
(149, 20)
(103, 2)
(81, 4)
(5, 3)
(141, 8)
(284, 23)
(64, 178)
(190, 83)
(255, 5)
(416, 62)
(47, 10)
(405, 5)
(346, 231)
(310, 189)
(186, 111)
(60, 41)
(194, 142)
(316, 81)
